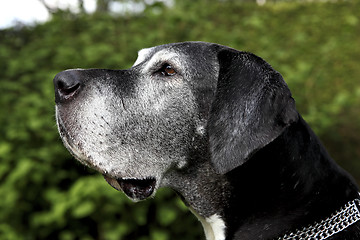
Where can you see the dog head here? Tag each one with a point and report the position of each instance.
(136, 125)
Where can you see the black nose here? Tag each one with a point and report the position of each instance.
(67, 84)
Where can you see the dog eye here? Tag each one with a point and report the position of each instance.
(167, 70)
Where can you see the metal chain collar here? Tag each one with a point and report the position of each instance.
(346, 216)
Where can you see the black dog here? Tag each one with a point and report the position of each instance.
(218, 126)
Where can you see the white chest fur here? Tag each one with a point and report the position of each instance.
(214, 226)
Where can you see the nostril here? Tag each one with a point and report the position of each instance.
(67, 90)
(67, 84)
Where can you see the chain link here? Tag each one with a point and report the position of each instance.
(346, 216)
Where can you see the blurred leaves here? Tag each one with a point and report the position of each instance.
(48, 195)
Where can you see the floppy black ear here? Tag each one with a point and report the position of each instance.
(252, 107)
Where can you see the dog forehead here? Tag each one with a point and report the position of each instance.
(151, 57)
(168, 51)
(142, 55)
(164, 55)
(153, 53)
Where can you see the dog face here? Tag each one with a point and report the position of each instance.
(136, 125)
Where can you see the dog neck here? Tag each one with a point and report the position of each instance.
(204, 191)
(281, 188)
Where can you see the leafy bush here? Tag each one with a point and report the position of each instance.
(48, 195)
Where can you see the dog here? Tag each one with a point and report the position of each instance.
(218, 126)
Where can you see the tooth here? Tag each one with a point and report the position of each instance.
(113, 182)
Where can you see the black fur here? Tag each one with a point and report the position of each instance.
(290, 183)
(252, 107)
(286, 179)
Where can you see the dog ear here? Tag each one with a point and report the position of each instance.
(252, 107)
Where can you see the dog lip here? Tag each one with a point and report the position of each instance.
(135, 189)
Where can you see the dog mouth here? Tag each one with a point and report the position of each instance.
(135, 189)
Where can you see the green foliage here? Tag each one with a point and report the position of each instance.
(48, 195)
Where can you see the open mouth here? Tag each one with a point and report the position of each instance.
(136, 189)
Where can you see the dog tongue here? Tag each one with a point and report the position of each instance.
(134, 188)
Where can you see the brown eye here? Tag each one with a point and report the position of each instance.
(167, 70)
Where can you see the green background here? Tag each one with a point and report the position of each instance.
(46, 194)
